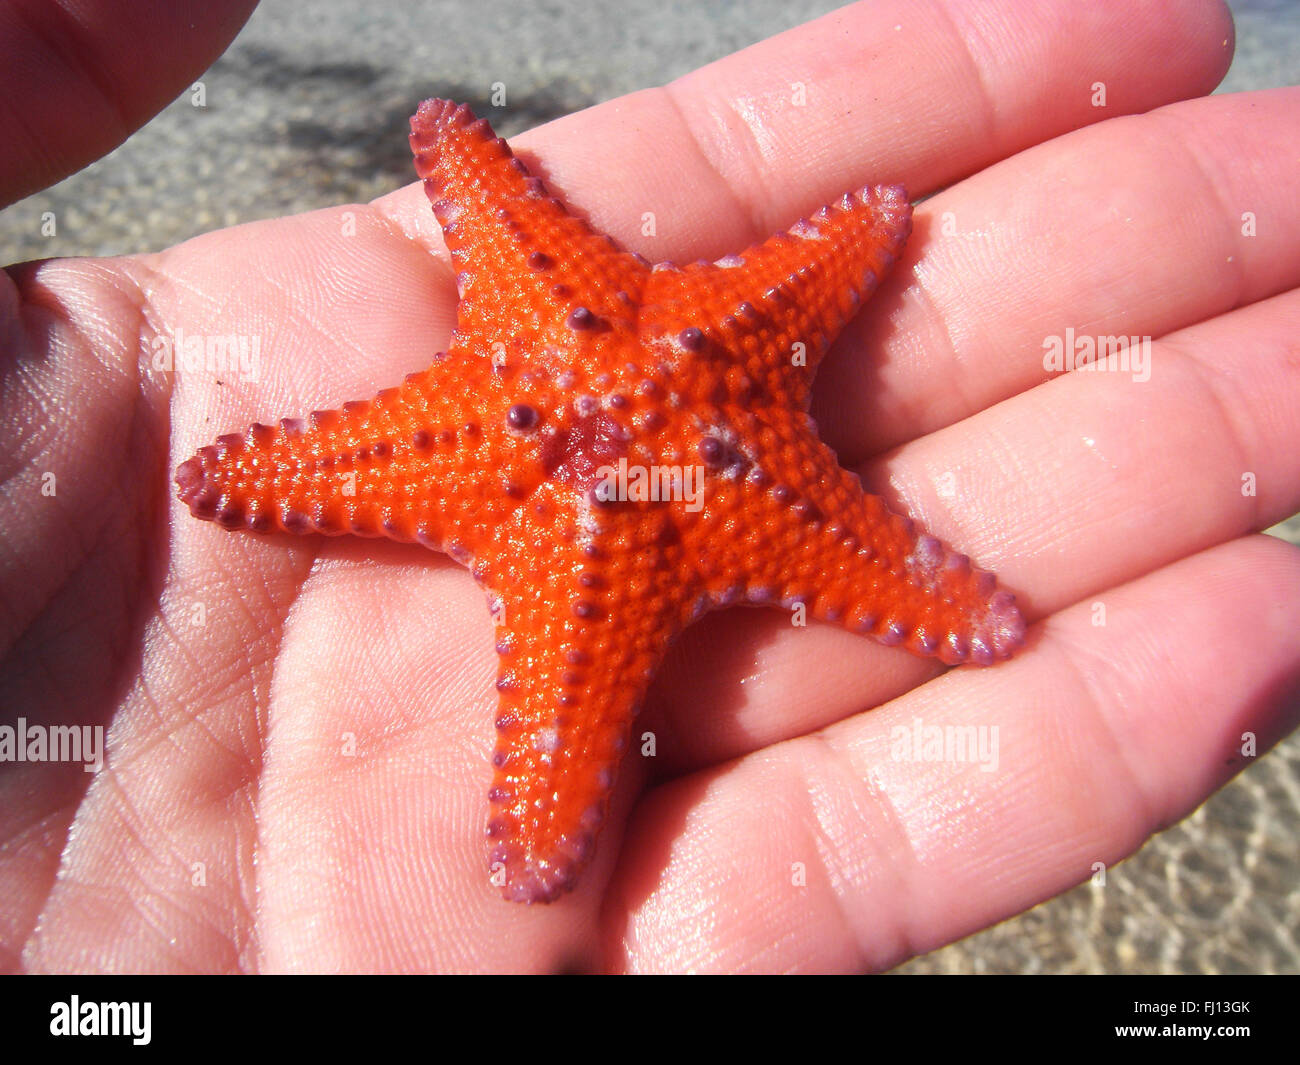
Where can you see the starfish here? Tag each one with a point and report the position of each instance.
(613, 449)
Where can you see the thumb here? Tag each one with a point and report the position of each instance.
(77, 77)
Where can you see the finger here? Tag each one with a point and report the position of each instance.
(77, 77)
(1201, 217)
(1097, 477)
(1066, 490)
(742, 147)
(1104, 735)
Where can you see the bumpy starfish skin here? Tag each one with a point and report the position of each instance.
(570, 355)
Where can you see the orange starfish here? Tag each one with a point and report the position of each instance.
(612, 449)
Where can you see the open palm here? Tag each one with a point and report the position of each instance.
(299, 728)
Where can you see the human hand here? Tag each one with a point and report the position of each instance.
(309, 719)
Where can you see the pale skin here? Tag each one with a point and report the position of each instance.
(299, 728)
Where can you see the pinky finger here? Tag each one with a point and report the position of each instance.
(841, 851)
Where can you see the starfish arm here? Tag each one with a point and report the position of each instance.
(391, 466)
(811, 535)
(517, 251)
(890, 579)
(778, 306)
(581, 629)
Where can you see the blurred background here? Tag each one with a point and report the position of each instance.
(308, 108)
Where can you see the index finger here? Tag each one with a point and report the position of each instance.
(873, 93)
